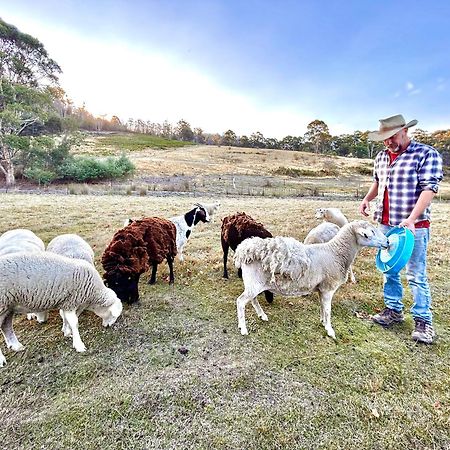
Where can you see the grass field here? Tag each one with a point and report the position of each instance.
(174, 372)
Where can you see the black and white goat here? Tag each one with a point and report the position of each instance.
(186, 223)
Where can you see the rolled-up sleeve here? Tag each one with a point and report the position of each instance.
(430, 171)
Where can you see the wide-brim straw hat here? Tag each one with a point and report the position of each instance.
(390, 126)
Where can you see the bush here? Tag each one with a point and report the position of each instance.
(41, 176)
(90, 169)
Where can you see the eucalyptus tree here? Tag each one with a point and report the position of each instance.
(27, 75)
(318, 135)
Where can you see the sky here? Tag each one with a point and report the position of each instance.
(249, 65)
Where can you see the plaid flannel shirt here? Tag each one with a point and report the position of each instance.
(417, 169)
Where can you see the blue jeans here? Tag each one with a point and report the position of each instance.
(416, 274)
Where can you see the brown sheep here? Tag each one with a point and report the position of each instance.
(133, 249)
(235, 229)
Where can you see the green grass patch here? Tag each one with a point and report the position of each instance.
(135, 142)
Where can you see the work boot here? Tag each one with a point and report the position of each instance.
(388, 317)
(423, 332)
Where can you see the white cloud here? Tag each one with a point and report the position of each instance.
(409, 86)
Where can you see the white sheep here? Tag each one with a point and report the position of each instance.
(45, 281)
(333, 215)
(212, 208)
(324, 232)
(285, 266)
(71, 246)
(20, 240)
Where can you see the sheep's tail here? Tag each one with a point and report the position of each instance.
(280, 255)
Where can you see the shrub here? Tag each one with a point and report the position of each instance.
(40, 176)
(89, 169)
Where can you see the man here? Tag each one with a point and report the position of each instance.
(406, 178)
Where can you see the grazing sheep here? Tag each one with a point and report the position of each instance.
(286, 266)
(143, 243)
(20, 240)
(333, 215)
(185, 224)
(324, 231)
(236, 228)
(72, 246)
(46, 281)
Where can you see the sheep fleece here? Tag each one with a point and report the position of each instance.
(40, 282)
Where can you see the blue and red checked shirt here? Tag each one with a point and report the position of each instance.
(417, 169)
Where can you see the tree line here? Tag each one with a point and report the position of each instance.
(38, 124)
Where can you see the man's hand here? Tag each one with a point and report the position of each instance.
(408, 223)
(364, 207)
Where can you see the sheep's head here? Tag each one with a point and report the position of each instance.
(368, 235)
(124, 284)
(124, 260)
(320, 213)
(110, 313)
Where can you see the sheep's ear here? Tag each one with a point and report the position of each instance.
(365, 232)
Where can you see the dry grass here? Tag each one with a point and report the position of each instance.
(286, 385)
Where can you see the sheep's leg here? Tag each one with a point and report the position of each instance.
(72, 320)
(67, 332)
(325, 298)
(8, 332)
(153, 276)
(225, 248)
(170, 263)
(321, 313)
(41, 317)
(352, 275)
(259, 311)
(241, 302)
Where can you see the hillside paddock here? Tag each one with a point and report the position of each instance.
(175, 373)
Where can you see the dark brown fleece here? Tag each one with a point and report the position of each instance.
(240, 226)
(139, 244)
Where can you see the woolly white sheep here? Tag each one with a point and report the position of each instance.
(211, 208)
(333, 215)
(330, 216)
(71, 246)
(20, 240)
(285, 266)
(44, 281)
(324, 232)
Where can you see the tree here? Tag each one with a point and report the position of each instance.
(26, 75)
(257, 140)
(23, 59)
(199, 137)
(229, 138)
(318, 135)
(184, 131)
(21, 107)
